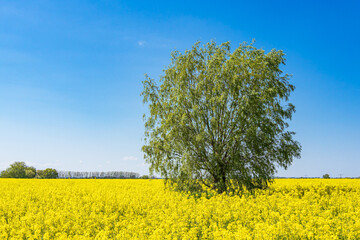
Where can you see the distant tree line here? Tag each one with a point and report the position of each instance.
(109, 175)
(21, 170)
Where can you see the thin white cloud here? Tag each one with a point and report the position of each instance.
(130, 158)
(141, 43)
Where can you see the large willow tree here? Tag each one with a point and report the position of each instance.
(219, 118)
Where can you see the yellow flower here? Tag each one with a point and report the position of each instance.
(143, 209)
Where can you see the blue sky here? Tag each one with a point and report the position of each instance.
(71, 72)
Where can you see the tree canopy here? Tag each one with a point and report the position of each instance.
(326, 175)
(219, 118)
(47, 173)
(19, 170)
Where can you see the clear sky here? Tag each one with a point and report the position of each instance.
(71, 72)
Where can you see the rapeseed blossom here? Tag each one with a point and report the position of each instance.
(143, 209)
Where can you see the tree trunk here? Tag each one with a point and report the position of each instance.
(220, 181)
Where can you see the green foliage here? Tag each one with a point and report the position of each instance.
(47, 173)
(18, 170)
(326, 176)
(218, 118)
(30, 172)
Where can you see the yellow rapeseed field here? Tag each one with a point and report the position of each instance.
(143, 209)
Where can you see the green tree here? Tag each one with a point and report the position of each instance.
(218, 118)
(326, 176)
(19, 170)
(47, 173)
